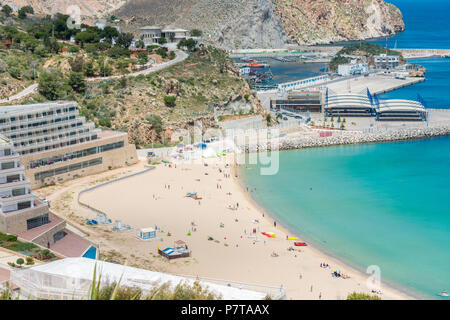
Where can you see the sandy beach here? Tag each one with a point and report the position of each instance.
(158, 198)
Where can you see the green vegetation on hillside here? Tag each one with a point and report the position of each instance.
(365, 49)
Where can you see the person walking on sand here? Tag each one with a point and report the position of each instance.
(275, 224)
(311, 288)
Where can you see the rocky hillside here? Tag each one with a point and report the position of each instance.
(248, 23)
(225, 23)
(89, 8)
(325, 21)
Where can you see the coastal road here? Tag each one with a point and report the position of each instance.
(180, 56)
(22, 94)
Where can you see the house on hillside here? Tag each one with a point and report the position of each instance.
(151, 35)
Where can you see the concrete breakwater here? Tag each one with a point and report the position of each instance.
(345, 138)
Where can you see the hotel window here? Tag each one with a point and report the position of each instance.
(23, 205)
(38, 221)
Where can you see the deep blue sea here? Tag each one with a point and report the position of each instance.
(378, 204)
(426, 25)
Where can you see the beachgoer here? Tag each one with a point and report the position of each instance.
(275, 224)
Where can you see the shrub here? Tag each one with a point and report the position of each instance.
(170, 101)
(20, 261)
(105, 122)
(30, 261)
(362, 296)
(156, 122)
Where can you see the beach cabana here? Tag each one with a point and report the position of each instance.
(179, 250)
(146, 234)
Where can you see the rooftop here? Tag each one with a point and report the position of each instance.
(23, 108)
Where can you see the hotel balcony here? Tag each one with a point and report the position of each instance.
(56, 133)
(18, 122)
(19, 203)
(47, 126)
(56, 142)
(19, 169)
(22, 181)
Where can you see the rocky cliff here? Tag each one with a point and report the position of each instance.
(325, 21)
(272, 23)
(248, 23)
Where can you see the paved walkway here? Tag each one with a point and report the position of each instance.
(22, 94)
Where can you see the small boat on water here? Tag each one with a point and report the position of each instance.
(443, 294)
(255, 65)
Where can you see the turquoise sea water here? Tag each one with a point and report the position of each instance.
(375, 204)
(435, 90)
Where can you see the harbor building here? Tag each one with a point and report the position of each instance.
(348, 105)
(299, 101)
(401, 110)
(367, 105)
(57, 144)
(383, 61)
(24, 214)
(151, 34)
(353, 68)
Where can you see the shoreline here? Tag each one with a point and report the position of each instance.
(397, 289)
(249, 263)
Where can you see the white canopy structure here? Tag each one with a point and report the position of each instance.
(70, 278)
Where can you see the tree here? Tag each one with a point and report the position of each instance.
(24, 11)
(196, 33)
(161, 52)
(76, 81)
(77, 63)
(124, 39)
(6, 10)
(109, 33)
(86, 37)
(189, 44)
(20, 261)
(51, 44)
(162, 41)
(89, 69)
(52, 85)
(140, 44)
(268, 119)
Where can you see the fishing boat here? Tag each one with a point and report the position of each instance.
(255, 65)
